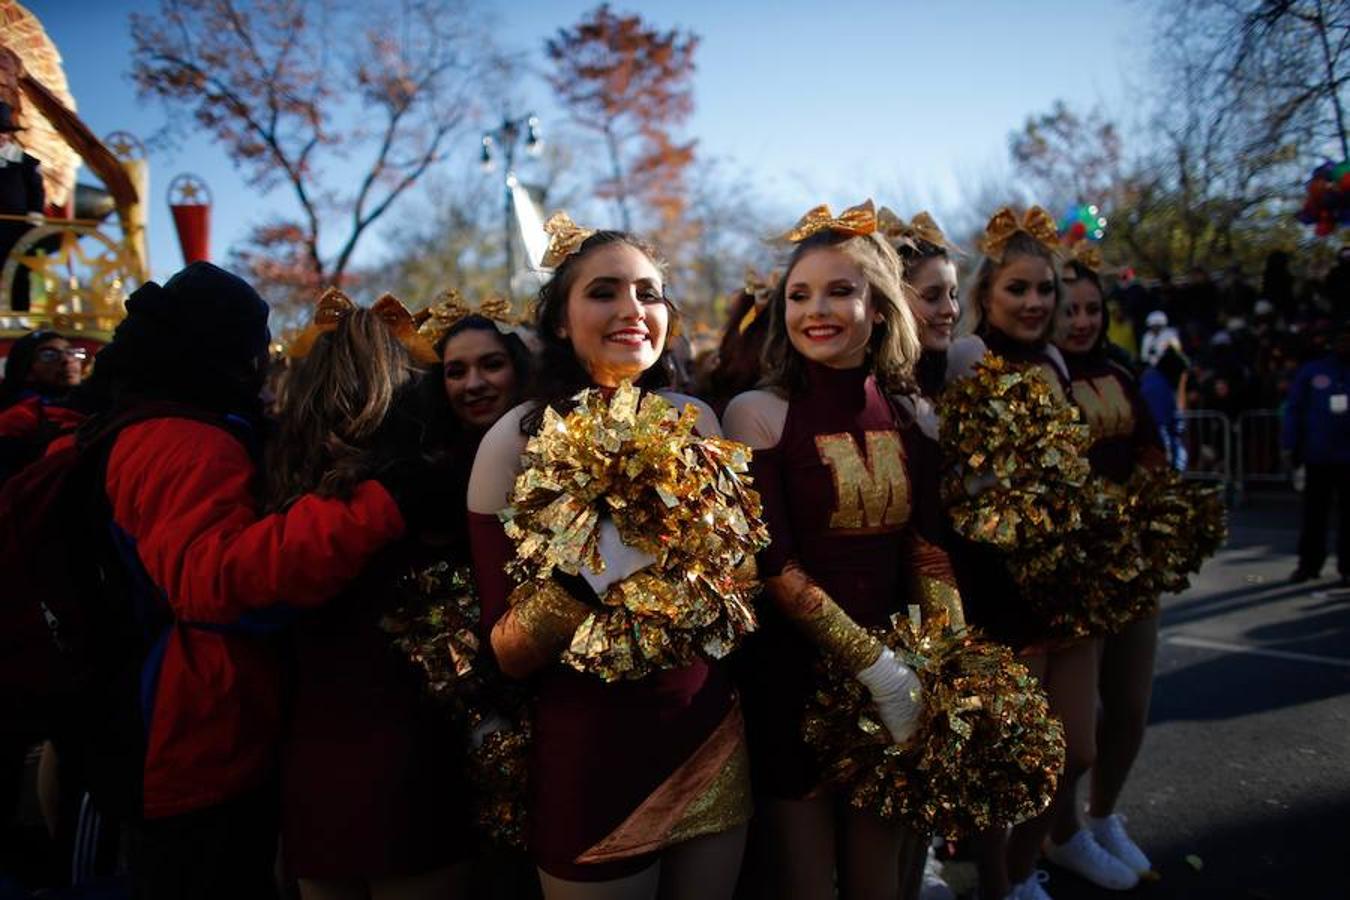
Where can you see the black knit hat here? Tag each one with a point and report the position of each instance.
(218, 313)
(200, 338)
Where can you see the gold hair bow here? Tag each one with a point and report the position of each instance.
(1087, 255)
(856, 220)
(920, 228)
(396, 317)
(334, 306)
(565, 238)
(448, 309)
(1004, 224)
(762, 290)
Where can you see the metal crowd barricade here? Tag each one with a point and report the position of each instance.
(1258, 449)
(1208, 438)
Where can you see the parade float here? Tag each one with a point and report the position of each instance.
(74, 262)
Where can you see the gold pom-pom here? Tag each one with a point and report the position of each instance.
(1180, 525)
(1090, 556)
(433, 623)
(499, 773)
(1018, 479)
(685, 500)
(986, 752)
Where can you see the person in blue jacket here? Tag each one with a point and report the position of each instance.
(1160, 385)
(1317, 436)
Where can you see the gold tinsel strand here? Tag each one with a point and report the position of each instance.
(986, 752)
(684, 499)
(433, 622)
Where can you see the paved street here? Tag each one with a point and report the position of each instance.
(1242, 789)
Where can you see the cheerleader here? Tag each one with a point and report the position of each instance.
(930, 273)
(1123, 437)
(1013, 300)
(636, 786)
(848, 490)
(374, 796)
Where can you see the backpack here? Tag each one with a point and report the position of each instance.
(80, 620)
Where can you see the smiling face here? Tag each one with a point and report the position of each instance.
(1080, 321)
(1021, 298)
(480, 378)
(829, 313)
(616, 316)
(934, 303)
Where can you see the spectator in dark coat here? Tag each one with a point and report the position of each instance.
(1317, 436)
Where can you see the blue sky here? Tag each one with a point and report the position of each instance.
(823, 102)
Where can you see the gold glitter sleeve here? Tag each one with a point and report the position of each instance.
(932, 582)
(537, 628)
(805, 603)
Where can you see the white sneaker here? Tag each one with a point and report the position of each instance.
(1082, 855)
(934, 887)
(1110, 833)
(1031, 888)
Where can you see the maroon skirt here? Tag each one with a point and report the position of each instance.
(372, 768)
(620, 771)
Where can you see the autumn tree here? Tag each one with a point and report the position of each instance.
(728, 231)
(629, 84)
(343, 106)
(1067, 156)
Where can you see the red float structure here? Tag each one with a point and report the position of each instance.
(190, 203)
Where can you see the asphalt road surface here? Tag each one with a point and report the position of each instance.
(1242, 789)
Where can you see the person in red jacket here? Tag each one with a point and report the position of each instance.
(183, 492)
(40, 370)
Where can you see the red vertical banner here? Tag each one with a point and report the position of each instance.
(190, 203)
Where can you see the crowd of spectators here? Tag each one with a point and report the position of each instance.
(1243, 338)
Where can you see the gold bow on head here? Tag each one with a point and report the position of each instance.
(762, 290)
(565, 238)
(1088, 255)
(448, 309)
(855, 221)
(334, 306)
(1004, 224)
(921, 228)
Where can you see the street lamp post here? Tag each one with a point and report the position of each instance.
(503, 139)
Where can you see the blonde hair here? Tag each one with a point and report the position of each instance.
(973, 311)
(894, 347)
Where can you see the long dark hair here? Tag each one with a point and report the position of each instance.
(336, 401)
(560, 375)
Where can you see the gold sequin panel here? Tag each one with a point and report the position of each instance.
(707, 794)
(871, 491)
(1105, 406)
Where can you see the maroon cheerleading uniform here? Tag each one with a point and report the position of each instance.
(850, 495)
(618, 770)
(1123, 433)
(373, 768)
